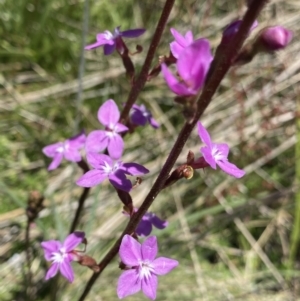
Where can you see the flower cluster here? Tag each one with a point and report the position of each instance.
(104, 149)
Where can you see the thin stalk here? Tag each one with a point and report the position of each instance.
(203, 101)
(84, 195)
(139, 83)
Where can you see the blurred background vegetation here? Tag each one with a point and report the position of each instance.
(232, 237)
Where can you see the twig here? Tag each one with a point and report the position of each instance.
(220, 69)
(81, 200)
(139, 83)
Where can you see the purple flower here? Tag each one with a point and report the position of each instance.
(144, 228)
(68, 149)
(276, 37)
(217, 153)
(192, 65)
(111, 41)
(61, 255)
(140, 115)
(150, 219)
(142, 267)
(105, 168)
(181, 42)
(97, 141)
(230, 31)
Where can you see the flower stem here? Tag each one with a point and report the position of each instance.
(139, 83)
(203, 100)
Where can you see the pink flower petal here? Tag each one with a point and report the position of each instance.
(130, 251)
(134, 169)
(118, 180)
(72, 155)
(206, 152)
(193, 63)
(73, 240)
(108, 114)
(177, 87)
(66, 270)
(100, 161)
(56, 161)
(96, 141)
(158, 223)
(115, 146)
(179, 38)
(109, 49)
(52, 271)
(133, 33)
(128, 284)
(222, 148)
(231, 169)
(149, 248)
(149, 286)
(144, 228)
(120, 128)
(189, 38)
(50, 247)
(163, 265)
(77, 141)
(176, 49)
(91, 178)
(203, 134)
(50, 150)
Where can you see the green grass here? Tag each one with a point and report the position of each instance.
(40, 49)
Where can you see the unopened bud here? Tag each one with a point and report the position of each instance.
(274, 38)
(231, 30)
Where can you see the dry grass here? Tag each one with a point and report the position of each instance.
(231, 237)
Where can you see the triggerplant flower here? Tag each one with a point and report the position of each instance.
(111, 41)
(150, 219)
(142, 268)
(217, 153)
(192, 66)
(181, 42)
(68, 149)
(105, 168)
(97, 141)
(140, 115)
(61, 255)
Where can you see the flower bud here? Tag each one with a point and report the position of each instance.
(274, 38)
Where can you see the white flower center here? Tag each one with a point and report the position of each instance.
(59, 257)
(145, 269)
(63, 148)
(217, 154)
(108, 35)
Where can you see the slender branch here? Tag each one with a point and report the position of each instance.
(84, 195)
(139, 83)
(203, 101)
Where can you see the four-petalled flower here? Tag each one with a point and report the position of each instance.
(111, 41)
(110, 138)
(140, 115)
(61, 255)
(217, 153)
(142, 268)
(70, 149)
(115, 171)
(181, 42)
(192, 66)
